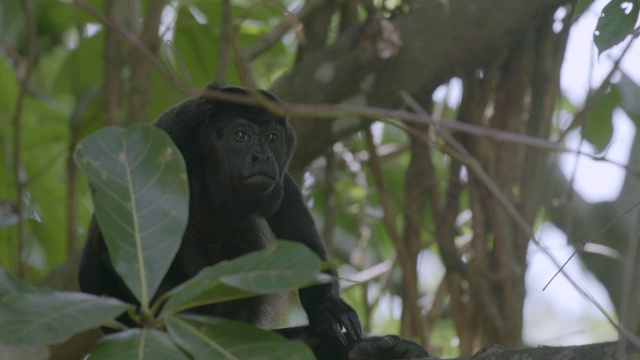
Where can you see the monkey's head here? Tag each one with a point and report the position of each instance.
(237, 155)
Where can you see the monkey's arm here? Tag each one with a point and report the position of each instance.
(326, 311)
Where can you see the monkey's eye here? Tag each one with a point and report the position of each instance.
(241, 135)
(272, 137)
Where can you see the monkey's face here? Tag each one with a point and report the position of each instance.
(255, 153)
(236, 155)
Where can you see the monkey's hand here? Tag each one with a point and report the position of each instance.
(386, 347)
(330, 315)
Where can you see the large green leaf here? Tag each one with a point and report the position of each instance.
(202, 292)
(41, 318)
(137, 344)
(616, 22)
(140, 195)
(211, 338)
(284, 267)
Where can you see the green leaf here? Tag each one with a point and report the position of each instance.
(42, 318)
(203, 292)
(211, 338)
(616, 22)
(141, 201)
(83, 67)
(287, 266)
(137, 344)
(11, 285)
(194, 48)
(284, 267)
(599, 127)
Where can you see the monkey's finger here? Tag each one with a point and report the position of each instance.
(349, 320)
(353, 329)
(335, 329)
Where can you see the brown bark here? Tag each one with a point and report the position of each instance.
(114, 62)
(437, 44)
(416, 191)
(140, 69)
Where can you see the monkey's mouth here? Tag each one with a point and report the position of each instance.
(261, 181)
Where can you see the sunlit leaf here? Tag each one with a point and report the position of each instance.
(616, 21)
(210, 338)
(140, 198)
(137, 344)
(41, 318)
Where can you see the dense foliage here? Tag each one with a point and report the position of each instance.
(434, 223)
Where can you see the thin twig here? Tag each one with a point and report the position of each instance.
(140, 71)
(27, 10)
(369, 274)
(226, 34)
(585, 241)
(290, 21)
(113, 64)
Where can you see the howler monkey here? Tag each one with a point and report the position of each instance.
(237, 158)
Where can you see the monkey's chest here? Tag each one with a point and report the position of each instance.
(206, 247)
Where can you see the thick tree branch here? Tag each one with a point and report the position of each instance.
(437, 44)
(609, 351)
